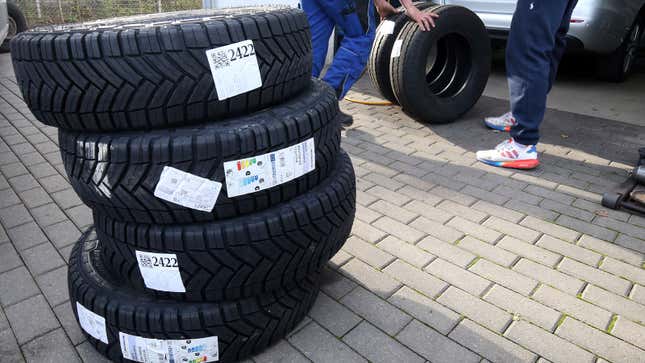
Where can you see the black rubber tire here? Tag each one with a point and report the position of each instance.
(244, 256)
(14, 12)
(243, 327)
(459, 73)
(146, 72)
(116, 174)
(614, 67)
(378, 65)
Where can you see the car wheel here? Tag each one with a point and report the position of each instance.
(617, 66)
(17, 24)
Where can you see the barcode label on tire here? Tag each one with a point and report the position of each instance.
(149, 350)
(92, 323)
(160, 271)
(235, 69)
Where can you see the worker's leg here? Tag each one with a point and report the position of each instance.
(561, 41)
(528, 63)
(351, 58)
(321, 29)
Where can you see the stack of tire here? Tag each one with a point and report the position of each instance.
(437, 75)
(215, 206)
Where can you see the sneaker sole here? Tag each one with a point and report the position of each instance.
(498, 128)
(517, 164)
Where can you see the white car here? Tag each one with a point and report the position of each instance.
(12, 22)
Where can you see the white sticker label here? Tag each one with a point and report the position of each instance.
(235, 69)
(149, 350)
(396, 48)
(253, 174)
(386, 27)
(160, 271)
(188, 190)
(92, 323)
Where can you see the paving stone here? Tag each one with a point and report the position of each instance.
(376, 346)
(612, 250)
(405, 251)
(35, 197)
(629, 331)
(42, 171)
(549, 276)
(436, 229)
(53, 347)
(504, 276)
(627, 228)
(638, 294)
(366, 215)
(463, 211)
(16, 285)
(415, 278)
(434, 346)
(417, 186)
(418, 195)
(9, 350)
(367, 252)
(631, 243)
(32, 158)
(624, 270)
(586, 227)
(320, 346)
(476, 309)
(455, 196)
(8, 198)
(54, 183)
(551, 229)
(384, 315)
(81, 215)
(598, 342)
(568, 210)
(11, 170)
(384, 181)
(31, 318)
(457, 276)
(26, 236)
(573, 306)
(376, 281)
(398, 229)
(88, 354)
(67, 198)
(485, 195)
(447, 251)
(4, 323)
(54, 285)
(14, 216)
(335, 284)
(488, 344)
(481, 232)
(523, 307)
(426, 310)
(388, 195)
(549, 194)
(48, 214)
(23, 182)
(333, 316)
(65, 315)
(569, 249)
(615, 303)
(488, 251)
(498, 211)
(367, 232)
(546, 344)
(532, 210)
(576, 192)
(63, 234)
(365, 199)
(512, 229)
(517, 194)
(340, 258)
(595, 276)
(529, 251)
(41, 258)
(9, 258)
(428, 211)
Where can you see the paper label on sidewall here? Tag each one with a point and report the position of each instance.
(92, 323)
(187, 190)
(386, 27)
(250, 175)
(396, 48)
(160, 271)
(235, 69)
(148, 350)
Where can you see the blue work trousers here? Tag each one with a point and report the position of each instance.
(535, 47)
(352, 56)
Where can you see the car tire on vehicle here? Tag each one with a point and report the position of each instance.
(17, 24)
(152, 71)
(117, 173)
(440, 74)
(108, 310)
(239, 257)
(378, 65)
(618, 65)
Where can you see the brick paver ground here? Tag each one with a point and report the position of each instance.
(450, 260)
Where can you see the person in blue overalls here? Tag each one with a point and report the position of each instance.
(352, 56)
(536, 43)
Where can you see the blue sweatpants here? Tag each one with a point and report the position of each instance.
(536, 43)
(352, 56)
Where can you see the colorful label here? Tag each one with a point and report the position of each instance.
(148, 350)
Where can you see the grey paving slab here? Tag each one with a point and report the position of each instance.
(26, 236)
(335, 284)
(434, 346)
(333, 316)
(31, 318)
(16, 285)
(546, 344)
(41, 258)
(320, 346)
(522, 307)
(377, 346)
(53, 284)
(476, 309)
(53, 347)
(14, 216)
(63, 234)
(89, 354)
(9, 349)
(425, 310)
(9, 258)
(65, 316)
(384, 315)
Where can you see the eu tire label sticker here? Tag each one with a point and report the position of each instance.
(160, 271)
(188, 190)
(148, 350)
(92, 323)
(235, 69)
(250, 175)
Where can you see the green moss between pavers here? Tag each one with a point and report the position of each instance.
(612, 323)
(474, 261)
(561, 321)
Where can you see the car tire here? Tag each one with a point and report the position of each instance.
(15, 15)
(378, 65)
(619, 65)
(116, 174)
(151, 71)
(241, 328)
(440, 74)
(244, 256)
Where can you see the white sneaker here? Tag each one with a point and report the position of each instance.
(501, 123)
(510, 154)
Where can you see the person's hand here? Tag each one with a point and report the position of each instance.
(384, 8)
(424, 19)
